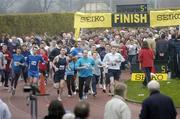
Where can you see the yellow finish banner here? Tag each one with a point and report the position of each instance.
(141, 76)
(164, 18)
(92, 20)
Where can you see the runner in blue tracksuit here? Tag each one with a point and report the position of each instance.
(33, 69)
(18, 61)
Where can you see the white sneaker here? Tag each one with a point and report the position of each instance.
(85, 96)
(69, 96)
(74, 93)
(59, 98)
(80, 100)
(6, 88)
(10, 90)
(100, 86)
(92, 92)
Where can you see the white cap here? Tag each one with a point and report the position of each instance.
(153, 85)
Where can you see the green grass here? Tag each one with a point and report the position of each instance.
(170, 88)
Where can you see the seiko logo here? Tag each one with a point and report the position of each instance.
(92, 19)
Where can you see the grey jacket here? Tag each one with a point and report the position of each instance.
(4, 111)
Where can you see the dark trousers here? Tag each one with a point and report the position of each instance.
(132, 60)
(14, 80)
(172, 67)
(25, 74)
(84, 81)
(101, 79)
(147, 71)
(5, 78)
(95, 80)
(70, 84)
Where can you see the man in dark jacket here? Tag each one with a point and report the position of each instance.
(172, 55)
(162, 49)
(157, 105)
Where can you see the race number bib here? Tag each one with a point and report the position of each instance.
(33, 63)
(61, 67)
(15, 63)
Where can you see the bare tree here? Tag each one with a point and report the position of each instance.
(47, 4)
(5, 4)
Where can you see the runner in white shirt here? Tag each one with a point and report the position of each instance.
(113, 61)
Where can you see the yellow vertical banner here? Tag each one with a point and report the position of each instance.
(77, 32)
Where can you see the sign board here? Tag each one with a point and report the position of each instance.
(160, 69)
(92, 20)
(131, 8)
(130, 20)
(165, 18)
(141, 76)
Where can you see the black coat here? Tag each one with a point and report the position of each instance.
(158, 106)
(162, 48)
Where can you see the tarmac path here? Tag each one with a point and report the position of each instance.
(20, 110)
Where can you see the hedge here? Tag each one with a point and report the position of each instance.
(18, 24)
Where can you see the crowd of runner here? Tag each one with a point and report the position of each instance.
(96, 58)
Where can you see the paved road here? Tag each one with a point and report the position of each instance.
(20, 110)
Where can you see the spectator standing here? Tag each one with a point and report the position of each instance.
(172, 55)
(69, 116)
(82, 110)
(146, 61)
(55, 110)
(162, 49)
(116, 108)
(177, 56)
(157, 105)
(4, 111)
(151, 42)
